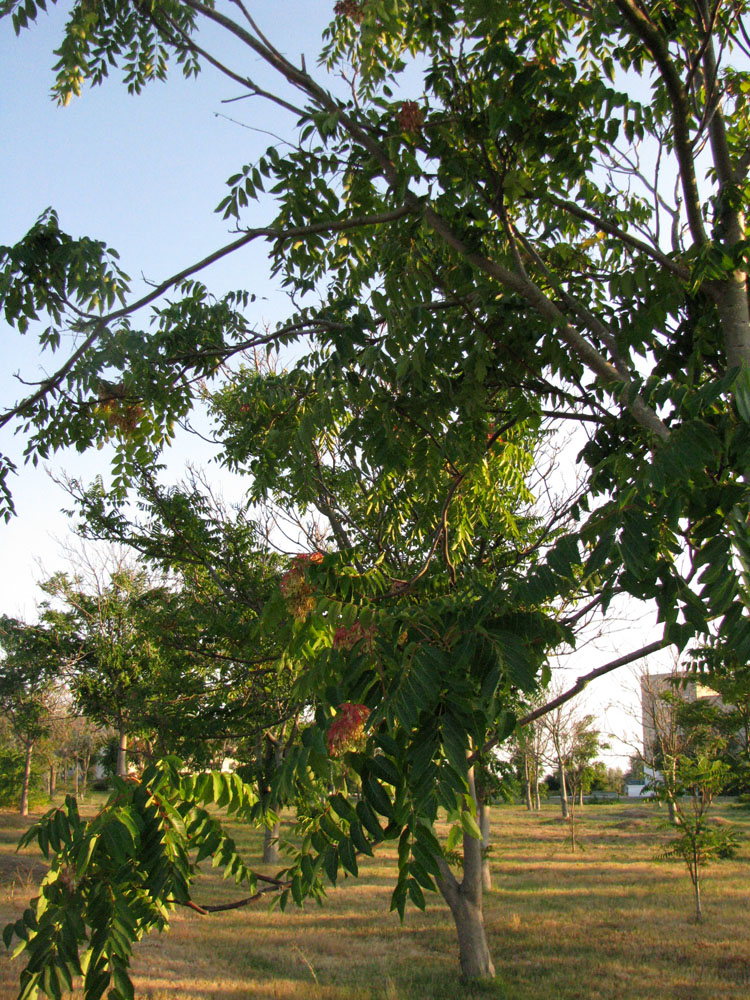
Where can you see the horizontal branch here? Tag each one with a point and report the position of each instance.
(585, 679)
(578, 687)
(101, 323)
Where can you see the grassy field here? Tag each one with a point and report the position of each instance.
(606, 922)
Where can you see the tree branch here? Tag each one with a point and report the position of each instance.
(579, 685)
(645, 29)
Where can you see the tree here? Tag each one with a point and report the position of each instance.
(28, 674)
(697, 781)
(227, 657)
(116, 653)
(531, 744)
(681, 721)
(480, 267)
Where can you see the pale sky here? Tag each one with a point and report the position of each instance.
(144, 174)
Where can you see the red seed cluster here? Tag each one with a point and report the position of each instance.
(410, 117)
(295, 586)
(346, 637)
(347, 729)
(353, 9)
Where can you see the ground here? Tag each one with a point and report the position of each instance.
(610, 921)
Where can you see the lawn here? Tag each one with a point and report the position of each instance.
(609, 921)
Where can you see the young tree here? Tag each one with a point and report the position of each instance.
(697, 780)
(116, 656)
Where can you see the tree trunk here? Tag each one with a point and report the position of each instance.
(563, 791)
(465, 902)
(51, 780)
(466, 908)
(271, 844)
(697, 888)
(484, 825)
(272, 760)
(85, 767)
(122, 749)
(537, 797)
(527, 782)
(24, 807)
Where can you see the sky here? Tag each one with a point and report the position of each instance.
(144, 175)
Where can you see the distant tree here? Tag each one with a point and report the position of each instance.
(635, 773)
(573, 745)
(583, 767)
(108, 624)
(529, 750)
(29, 677)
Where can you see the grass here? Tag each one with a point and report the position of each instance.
(606, 922)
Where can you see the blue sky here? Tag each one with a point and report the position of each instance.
(144, 175)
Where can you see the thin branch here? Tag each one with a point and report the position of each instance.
(631, 241)
(100, 323)
(579, 685)
(646, 30)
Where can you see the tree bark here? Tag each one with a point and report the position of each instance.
(24, 806)
(271, 844)
(85, 766)
(697, 888)
(465, 901)
(52, 780)
(122, 749)
(527, 782)
(271, 834)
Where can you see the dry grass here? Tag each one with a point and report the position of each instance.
(606, 922)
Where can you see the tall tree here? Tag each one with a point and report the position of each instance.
(478, 264)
